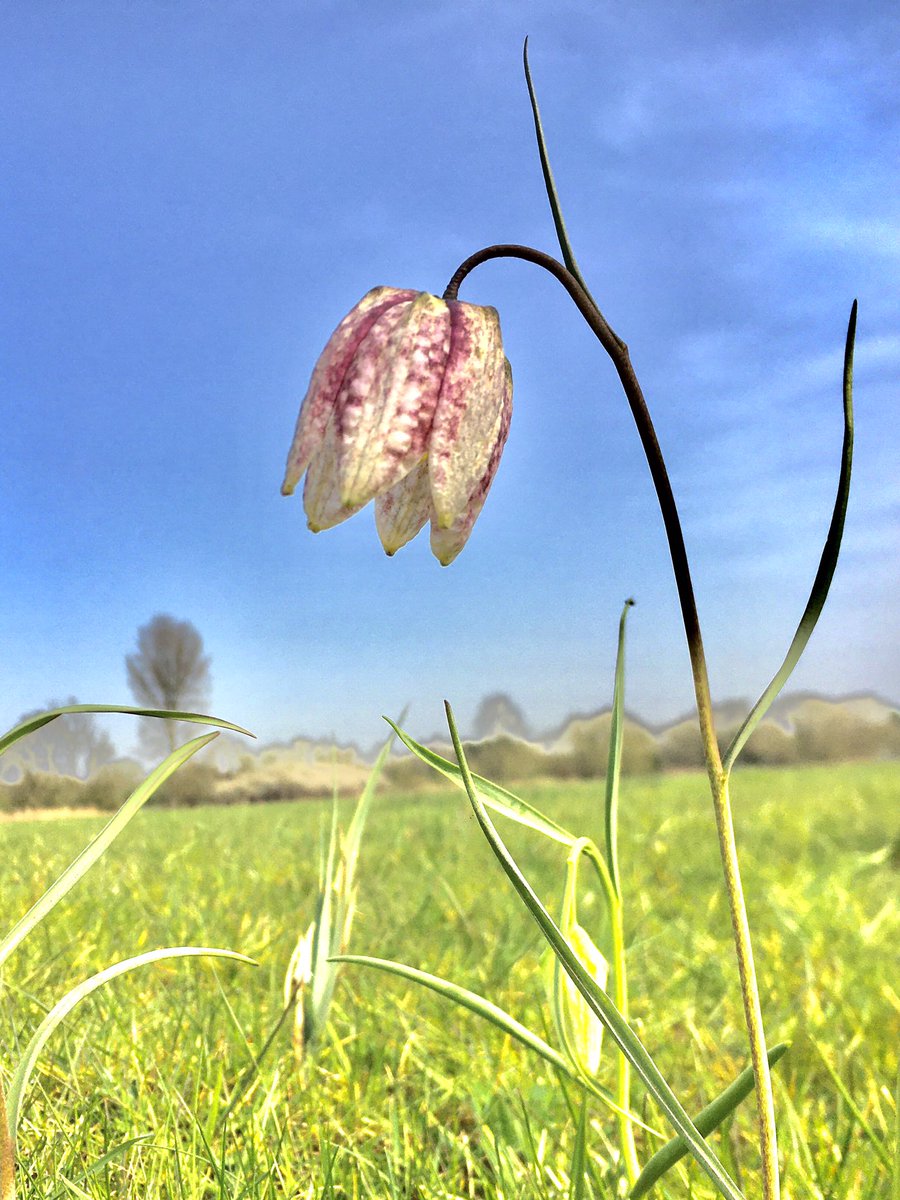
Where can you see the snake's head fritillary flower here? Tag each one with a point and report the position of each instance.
(409, 405)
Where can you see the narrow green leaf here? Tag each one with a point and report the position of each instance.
(40, 719)
(562, 235)
(614, 760)
(825, 573)
(549, 183)
(619, 1030)
(243, 1084)
(60, 1011)
(357, 824)
(707, 1120)
(107, 835)
(494, 796)
(497, 1016)
(334, 913)
(316, 1004)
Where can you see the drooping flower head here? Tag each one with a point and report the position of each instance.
(409, 405)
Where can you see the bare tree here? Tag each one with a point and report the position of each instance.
(70, 745)
(170, 671)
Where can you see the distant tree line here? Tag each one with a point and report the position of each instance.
(304, 770)
(821, 732)
(72, 765)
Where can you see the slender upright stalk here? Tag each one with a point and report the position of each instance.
(623, 1066)
(617, 908)
(618, 353)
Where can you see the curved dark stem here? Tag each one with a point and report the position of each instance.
(618, 352)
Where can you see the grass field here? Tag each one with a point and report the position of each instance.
(409, 1096)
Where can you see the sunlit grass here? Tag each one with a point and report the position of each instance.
(410, 1096)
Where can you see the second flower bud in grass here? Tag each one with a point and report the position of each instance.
(579, 1030)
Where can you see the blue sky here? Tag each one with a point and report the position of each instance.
(193, 195)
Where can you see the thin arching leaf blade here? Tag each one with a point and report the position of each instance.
(495, 797)
(602, 1006)
(467, 999)
(707, 1120)
(39, 720)
(497, 1016)
(357, 824)
(562, 235)
(827, 564)
(100, 844)
(61, 1010)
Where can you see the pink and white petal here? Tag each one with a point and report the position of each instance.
(365, 375)
(447, 543)
(321, 491)
(467, 417)
(385, 427)
(402, 510)
(328, 376)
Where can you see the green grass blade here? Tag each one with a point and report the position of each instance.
(876, 1142)
(243, 1084)
(107, 835)
(41, 719)
(358, 821)
(497, 1016)
(101, 1163)
(61, 1010)
(614, 761)
(333, 918)
(318, 1001)
(707, 1120)
(494, 796)
(599, 1002)
(825, 573)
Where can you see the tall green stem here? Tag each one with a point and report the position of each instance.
(616, 910)
(617, 905)
(618, 353)
(623, 1066)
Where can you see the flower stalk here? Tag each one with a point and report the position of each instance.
(617, 350)
(341, 427)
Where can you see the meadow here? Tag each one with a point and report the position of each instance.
(161, 1085)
